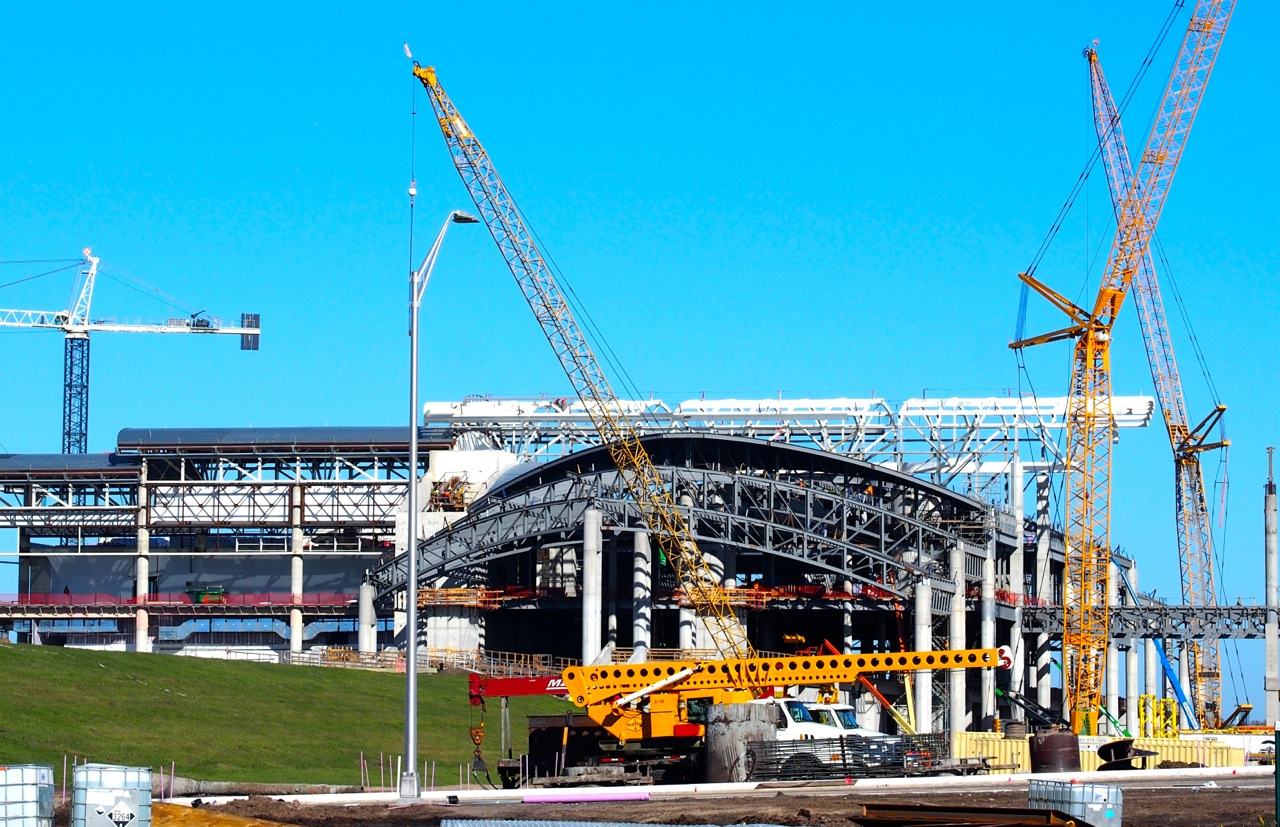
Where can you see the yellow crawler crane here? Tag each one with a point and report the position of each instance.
(1090, 428)
(1191, 507)
(650, 492)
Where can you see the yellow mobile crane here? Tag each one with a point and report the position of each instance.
(665, 699)
(1191, 508)
(1090, 429)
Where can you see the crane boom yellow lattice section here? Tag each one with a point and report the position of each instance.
(1195, 539)
(648, 490)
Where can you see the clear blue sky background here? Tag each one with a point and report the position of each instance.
(827, 200)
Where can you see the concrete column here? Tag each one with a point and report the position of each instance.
(1271, 676)
(297, 543)
(142, 576)
(592, 597)
(987, 630)
(923, 611)
(641, 596)
(142, 629)
(610, 586)
(1184, 678)
(367, 622)
(958, 709)
(295, 613)
(142, 568)
(1112, 672)
(1131, 670)
(1017, 582)
(1131, 687)
(686, 636)
(1044, 589)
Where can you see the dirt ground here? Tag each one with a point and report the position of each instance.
(1250, 804)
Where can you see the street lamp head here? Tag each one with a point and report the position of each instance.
(460, 217)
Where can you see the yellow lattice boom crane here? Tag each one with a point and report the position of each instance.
(651, 494)
(1090, 427)
(1191, 508)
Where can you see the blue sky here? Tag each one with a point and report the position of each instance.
(832, 200)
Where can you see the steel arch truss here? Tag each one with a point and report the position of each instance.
(836, 515)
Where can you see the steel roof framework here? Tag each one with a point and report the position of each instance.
(859, 522)
(965, 444)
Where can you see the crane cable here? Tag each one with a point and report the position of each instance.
(592, 330)
(148, 290)
(1065, 209)
(1097, 152)
(1094, 156)
(1167, 270)
(1219, 549)
(75, 263)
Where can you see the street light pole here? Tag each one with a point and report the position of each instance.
(410, 785)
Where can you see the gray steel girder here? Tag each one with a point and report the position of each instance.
(1186, 622)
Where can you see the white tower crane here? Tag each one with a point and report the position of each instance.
(76, 325)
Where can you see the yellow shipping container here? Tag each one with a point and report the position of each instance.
(1014, 754)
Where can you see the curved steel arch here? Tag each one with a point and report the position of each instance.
(858, 521)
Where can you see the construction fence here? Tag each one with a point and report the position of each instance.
(1013, 755)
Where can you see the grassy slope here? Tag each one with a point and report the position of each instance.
(234, 721)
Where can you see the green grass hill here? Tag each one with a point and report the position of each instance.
(234, 721)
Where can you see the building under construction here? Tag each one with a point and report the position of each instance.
(876, 527)
(636, 530)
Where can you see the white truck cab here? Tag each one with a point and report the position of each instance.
(795, 723)
(841, 717)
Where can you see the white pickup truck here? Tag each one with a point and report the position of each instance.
(795, 722)
(840, 717)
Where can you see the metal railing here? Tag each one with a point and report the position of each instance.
(196, 597)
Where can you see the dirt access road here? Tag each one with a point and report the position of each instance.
(1245, 802)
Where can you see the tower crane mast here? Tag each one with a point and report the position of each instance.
(651, 494)
(1195, 539)
(76, 324)
(1089, 420)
